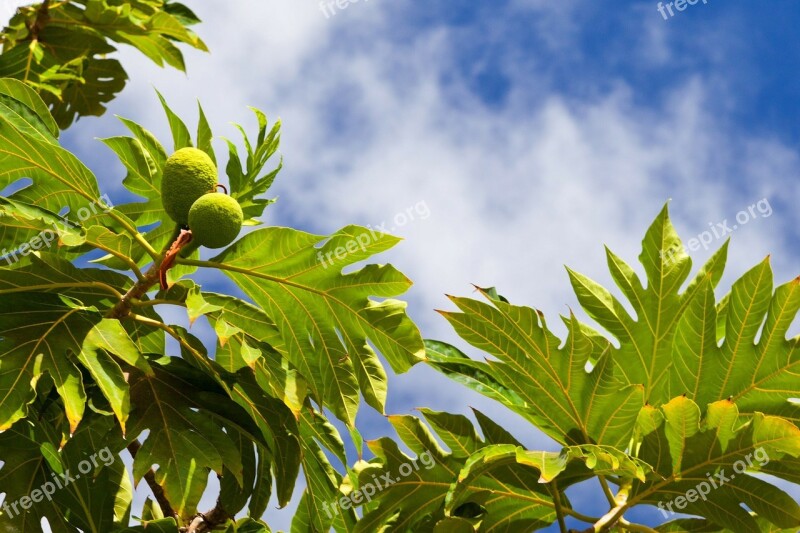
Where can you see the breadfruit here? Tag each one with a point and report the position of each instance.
(188, 174)
(215, 220)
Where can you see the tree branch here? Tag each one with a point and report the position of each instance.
(562, 526)
(613, 516)
(155, 488)
(205, 522)
(637, 528)
(145, 282)
(139, 289)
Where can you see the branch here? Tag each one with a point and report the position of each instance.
(562, 526)
(608, 520)
(145, 282)
(205, 522)
(638, 528)
(606, 490)
(139, 289)
(155, 488)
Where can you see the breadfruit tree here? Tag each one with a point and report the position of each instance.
(684, 406)
(94, 399)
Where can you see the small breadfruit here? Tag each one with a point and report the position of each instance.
(188, 174)
(215, 220)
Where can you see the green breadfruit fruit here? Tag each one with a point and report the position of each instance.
(215, 220)
(188, 175)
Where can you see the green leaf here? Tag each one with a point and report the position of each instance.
(27, 228)
(19, 104)
(456, 431)
(247, 183)
(319, 509)
(183, 409)
(708, 464)
(204, 134)
(180, 133)
(645, 341)
(278, 428)
(60, 182)
(551, 386)
(38, 334)
(109, 337)
(326, 318)
(28, 97)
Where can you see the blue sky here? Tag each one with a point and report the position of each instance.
(533, 131)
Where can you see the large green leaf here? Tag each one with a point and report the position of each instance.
(41, 333)
(327, 319)
(732, 356)
(538, 377)
(644, 354)
(246, 182)
(318, 509)
(60, 184)
(280, 449)
(23, 107)
(184, 410)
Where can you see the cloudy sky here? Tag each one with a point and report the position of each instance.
(521, 134)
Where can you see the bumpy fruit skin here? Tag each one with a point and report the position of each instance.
(215, 220)
(188, 174)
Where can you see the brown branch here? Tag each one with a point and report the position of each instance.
(139, 289)
(41, 20)
(205, 522)
(145, 282)
(158, 490)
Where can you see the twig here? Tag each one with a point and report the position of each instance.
(613, 516)
(606, 489)
(637, 528)
(144, 284)
(580, 516)
(157, 490)
(557, 502)
(140, 288)
(122, 257)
